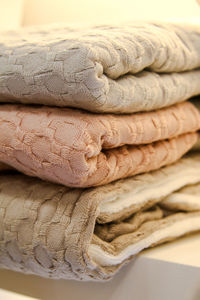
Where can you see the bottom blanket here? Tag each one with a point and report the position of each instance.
(88, 234)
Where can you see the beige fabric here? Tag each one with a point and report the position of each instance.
(53, 231)
(82, 149)
(106, 68)
(181, 201)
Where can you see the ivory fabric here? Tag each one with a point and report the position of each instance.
(118, 69)
(58, 232)
(81, 149)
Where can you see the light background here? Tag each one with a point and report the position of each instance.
(11, 12)
(107, 11)
(31, 12)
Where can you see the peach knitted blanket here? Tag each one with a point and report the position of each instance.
(81, 149)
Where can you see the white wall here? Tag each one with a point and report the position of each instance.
(107, 11)
(30, 12)
(11, 13)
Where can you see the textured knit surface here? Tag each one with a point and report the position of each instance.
(82, 149)
(106, 68)
(53, 231)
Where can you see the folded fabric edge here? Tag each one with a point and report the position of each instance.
(141, 191)
(180, 201)
(91, 60)
(108, 166)
(165, 230)
(49, 230)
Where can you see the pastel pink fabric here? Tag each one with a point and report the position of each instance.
(81, 149)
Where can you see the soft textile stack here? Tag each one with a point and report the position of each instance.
(110, 105)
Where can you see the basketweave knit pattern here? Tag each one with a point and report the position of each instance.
(81, 149)
(118, 69)
(51, 230)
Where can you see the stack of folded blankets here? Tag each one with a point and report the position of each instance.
(94, 131)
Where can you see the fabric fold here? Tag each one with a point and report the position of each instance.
(57, 232)
(81, 149)
(118, 69)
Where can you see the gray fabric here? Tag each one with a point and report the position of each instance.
(117, 69)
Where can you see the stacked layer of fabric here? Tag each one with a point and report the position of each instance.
(94, 131)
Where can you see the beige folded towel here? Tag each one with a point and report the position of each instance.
(88, 234)
(106, 68)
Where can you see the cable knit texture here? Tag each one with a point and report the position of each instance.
(81, 149)
(54, 231)
(119, 69)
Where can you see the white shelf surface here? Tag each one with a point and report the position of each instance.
(167, 272)
(184, 251)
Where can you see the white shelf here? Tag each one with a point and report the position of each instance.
(7, 295)
(184, 251)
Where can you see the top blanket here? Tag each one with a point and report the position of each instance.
(118, 69)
